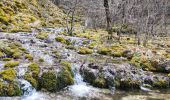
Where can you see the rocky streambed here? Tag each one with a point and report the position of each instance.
(49, 67)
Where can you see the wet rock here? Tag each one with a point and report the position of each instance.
(128, 54)
(123, 76)
(164, 67)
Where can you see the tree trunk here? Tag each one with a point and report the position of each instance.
(108, 19)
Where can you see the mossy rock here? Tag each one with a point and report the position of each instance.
(64, 79)
(67, 66)
(41, 60)
(117, 54)
(30, 79)
(8, 51)
(84, 50)
(42, 35)
(10, 89)
(104, 51)
(129, 84)
(92, 45)
(15, 45)
(29, 57)
(8, 74)
(101, 83)
(7, 59)
(1, 54)
(35, 69)
(56, 53)
(160, 83)
(49, 81)
(13, 90)
(62, 40)
(89, 76)
(11, 64)
(17, 55)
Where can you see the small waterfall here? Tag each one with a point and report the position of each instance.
(80, 88)
(26, 88)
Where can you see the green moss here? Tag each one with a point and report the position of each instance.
(160, 84)
(56, 53)
(129, 84)
(13, 89)
(2, 88)
(11, 64)
(8, 74)
(67, 66)
(9, 89)
(70, 47)
(92, 45)
(49, 81)
(30, 79)
(84, 50)
(101, 83)
(29, 57)
(4, 20)
(7, 59)
(8, 10)
(17, 55)
(15, 45)
(104, 51)
(64, 78)
(35, 69)
(8, 51)
(117, 54)
(41, 60)
(1, 54)
(62, 40)
(42, 36)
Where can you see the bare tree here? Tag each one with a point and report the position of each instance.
(108, 19)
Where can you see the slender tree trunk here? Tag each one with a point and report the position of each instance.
(108, 19)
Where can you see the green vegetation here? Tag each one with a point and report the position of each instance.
(104, 51)
(32, 80)
(29, 57)
(35, 69)
(22, 15)
(49, 81)
(8, 74)
(11, 64)
(65, 76)
(42, 35)
(84, 50)
(62, 40)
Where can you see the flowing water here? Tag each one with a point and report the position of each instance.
(80, 90)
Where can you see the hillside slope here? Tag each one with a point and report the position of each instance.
(22, 15)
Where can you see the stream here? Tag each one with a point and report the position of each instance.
(80, 90)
